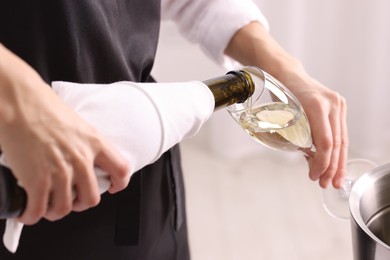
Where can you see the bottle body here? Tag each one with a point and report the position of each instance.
(234, 87)
(12, 197)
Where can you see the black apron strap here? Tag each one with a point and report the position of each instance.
(128, 211)
(177, 187)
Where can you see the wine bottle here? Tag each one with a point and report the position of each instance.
(234, 87)
(12, 197)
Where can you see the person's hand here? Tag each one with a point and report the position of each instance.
(326, 109)
(50, 149)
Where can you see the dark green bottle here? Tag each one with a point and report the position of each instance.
(234, 87)
(12, 197)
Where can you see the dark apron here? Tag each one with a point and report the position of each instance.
(100, 41)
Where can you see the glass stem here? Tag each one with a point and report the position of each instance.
(308, 152)
(345, 190)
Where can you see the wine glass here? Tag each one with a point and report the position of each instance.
(274, 117)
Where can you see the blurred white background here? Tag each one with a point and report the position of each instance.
(248, 202)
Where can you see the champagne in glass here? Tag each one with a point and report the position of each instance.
(278, 126)
(273, 116)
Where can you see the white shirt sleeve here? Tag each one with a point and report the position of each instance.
(212, 23)
(142, 120)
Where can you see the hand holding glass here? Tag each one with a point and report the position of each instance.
(274, 117)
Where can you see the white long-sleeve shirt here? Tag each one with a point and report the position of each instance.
(212, 23)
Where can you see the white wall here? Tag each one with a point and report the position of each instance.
(344, 44)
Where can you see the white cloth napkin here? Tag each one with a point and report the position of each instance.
(143, 120)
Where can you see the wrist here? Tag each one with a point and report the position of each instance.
(253, 45)
(18, 83)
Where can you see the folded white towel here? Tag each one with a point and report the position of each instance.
(142, 120)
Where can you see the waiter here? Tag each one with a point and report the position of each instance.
(52, 151)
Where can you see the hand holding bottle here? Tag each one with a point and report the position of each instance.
(50, 149)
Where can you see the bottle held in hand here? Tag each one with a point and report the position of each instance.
(12, 197)
(234, 87)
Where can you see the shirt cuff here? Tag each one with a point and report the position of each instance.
(233, 16)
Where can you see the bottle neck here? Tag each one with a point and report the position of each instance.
(234, 87)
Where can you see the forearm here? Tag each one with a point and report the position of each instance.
(253, 45)
(5, 90)
(17, 79)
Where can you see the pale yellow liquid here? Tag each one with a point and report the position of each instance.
(278, 126)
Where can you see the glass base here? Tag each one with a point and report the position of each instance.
(336, 201)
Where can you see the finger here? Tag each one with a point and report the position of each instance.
(110, 161)
(60, 200)
(322, 139)
(85, 187)
(37, 201)
(330, 172)
(341, 172)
